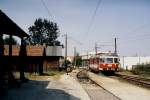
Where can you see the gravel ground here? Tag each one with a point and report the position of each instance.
(97, 93)
(123, 90)
(94, 91)
(63, 88)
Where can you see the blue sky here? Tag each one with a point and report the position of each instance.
(128, 20)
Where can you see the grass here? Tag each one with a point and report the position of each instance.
(142, 69)
(53, 73)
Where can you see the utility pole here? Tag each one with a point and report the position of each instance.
(115, 46)
(95, 48)
(87, 62)
(65, 48)
(66, 54)
(87, 55)
(74, 56)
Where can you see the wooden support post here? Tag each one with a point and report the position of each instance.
(22, 55)
(10, 45)
(1, 45)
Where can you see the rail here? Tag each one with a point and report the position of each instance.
(144, 82)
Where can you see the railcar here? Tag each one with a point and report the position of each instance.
(104, 63)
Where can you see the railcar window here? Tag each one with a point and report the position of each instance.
(109, 60)
(101, 60)
(116, 60)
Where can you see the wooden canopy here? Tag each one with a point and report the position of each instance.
(7, 26)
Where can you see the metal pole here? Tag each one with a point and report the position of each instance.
(123, 61)
(115, 46)
(66, 47)
(74, 56)
(87, 59)
(95, 48)
(66, 53)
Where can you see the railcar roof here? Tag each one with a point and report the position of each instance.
(108, 57)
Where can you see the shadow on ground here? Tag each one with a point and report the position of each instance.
(108, 73)
(37, 90)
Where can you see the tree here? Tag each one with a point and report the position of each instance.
(44, 32)
(77, 60)
(6, 41)
(66, 62)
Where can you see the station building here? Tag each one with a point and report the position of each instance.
(37, 56)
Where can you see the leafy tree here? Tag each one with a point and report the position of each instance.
(44, 32)
(6, 41)
(77, 60)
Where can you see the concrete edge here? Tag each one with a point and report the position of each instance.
(73, 79)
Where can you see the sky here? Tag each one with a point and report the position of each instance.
(127, 20)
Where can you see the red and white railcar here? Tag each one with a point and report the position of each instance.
(107, 62)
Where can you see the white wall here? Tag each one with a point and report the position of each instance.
(128, 62)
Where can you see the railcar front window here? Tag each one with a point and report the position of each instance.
(101, 60)
(109, 60)
(116, 60)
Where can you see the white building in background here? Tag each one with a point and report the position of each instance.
(128, 62)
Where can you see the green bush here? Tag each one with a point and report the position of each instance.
(141, 69)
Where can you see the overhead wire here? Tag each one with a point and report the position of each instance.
(141, 27)
(92, 18)
(135, 30)
(47, 10)
(134, 36)
(75, 40)
(133, 40)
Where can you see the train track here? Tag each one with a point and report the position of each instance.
(94, 91)
(144, 82)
